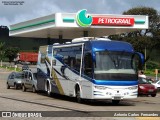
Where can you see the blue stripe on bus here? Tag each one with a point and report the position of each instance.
(115, 83)
(98, 94)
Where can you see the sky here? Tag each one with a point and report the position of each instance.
(30, 9)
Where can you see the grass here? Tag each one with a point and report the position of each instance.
(11, 68)
(151, 73)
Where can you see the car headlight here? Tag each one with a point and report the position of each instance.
(100, 87)
(133, 88)
(142, 87)
(155, 86)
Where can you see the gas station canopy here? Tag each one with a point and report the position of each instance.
(73, 25)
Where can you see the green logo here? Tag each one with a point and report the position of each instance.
(82, 19)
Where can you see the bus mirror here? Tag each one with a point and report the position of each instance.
(139, 60)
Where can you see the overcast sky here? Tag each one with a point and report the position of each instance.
(11, 14)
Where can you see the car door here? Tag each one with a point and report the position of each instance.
(26, 79)
(30, 79)
(11, 80)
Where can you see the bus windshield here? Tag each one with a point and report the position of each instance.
(115, 66)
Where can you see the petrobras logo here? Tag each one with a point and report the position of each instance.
(83, 19)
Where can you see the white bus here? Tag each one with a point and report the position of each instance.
(89, 68)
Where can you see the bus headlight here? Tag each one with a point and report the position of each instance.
(132, 88)
(100, 87)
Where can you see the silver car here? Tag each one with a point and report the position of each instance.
(14, 80)
(29, 81)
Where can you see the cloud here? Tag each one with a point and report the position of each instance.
(11, 14)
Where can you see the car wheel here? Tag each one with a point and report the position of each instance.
(153, 95)
(23, 88)
(115, 102)
(8, 87)
(15, 86)
(33, 89)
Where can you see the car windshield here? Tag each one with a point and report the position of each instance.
(143, 81)
(19, 75)
(158, 82)
(115, 64)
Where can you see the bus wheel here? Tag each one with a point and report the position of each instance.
(78, 96)
(48, 90)
(115, 102)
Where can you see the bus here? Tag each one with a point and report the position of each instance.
(90, 68)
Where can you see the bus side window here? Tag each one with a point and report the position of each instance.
(66, 59)
(43, 58)
(72, 62)
(88, 64)
(78, 62)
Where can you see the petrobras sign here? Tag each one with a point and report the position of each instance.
(86, 20)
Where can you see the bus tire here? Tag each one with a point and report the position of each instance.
(115, 102)
(48, 89)
(78, 95)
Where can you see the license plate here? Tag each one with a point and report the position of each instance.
(150, 90)
(117, 98)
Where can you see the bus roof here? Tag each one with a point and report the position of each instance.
(112, 46)
(100, 45)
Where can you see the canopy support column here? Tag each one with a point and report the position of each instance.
(85, 33)
(60, 39)
(48, 40)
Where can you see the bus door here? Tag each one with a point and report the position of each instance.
(86, 84)
(75, 66)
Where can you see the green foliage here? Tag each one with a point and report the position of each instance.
(151, 73)
(11, 68)
(11, 53)
(152, 65)
(143, 39)
(151, 12)
(2, 51)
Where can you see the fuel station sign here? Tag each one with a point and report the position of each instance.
(113, 21)
(86, 20)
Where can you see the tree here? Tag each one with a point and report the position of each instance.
(11, 53)
(2, 51)
(143, 39)
(151, 12)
